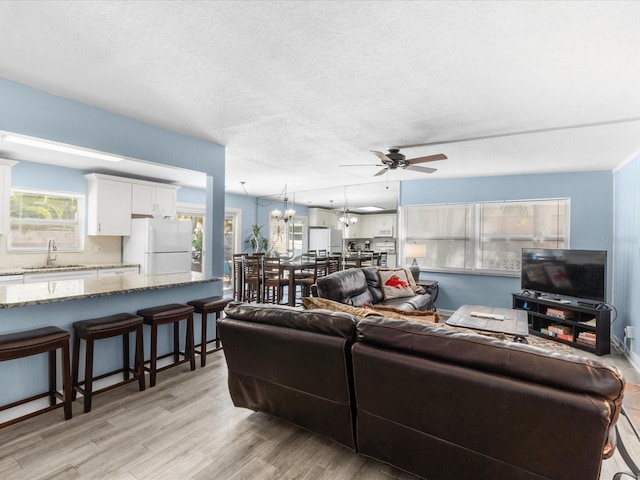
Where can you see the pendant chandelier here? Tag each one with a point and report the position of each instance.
(346, 218)
(286, 213)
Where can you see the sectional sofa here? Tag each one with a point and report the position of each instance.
(435, 402)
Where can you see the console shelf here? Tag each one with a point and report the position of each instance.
(584, 327)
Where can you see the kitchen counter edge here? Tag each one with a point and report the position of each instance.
(21, 295)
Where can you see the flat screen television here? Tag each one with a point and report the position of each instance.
(565, 272)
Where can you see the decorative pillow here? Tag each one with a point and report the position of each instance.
(395, 284)
(412, 283)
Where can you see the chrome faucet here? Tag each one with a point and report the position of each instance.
(51, 246)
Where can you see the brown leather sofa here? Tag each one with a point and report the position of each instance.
(293, 364)
(359, 286)
(437, 403)
(447, 405)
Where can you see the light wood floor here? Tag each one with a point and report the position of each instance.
(184, 428)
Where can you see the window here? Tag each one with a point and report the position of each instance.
(485, 237)
(37, 216)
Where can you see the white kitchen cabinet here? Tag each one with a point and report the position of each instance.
(148, 199)
(321, 217)
(57, 276)
(116, 272)
(367, 226)
(109, 205)
(5, 193)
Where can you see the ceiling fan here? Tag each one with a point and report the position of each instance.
(394, 159)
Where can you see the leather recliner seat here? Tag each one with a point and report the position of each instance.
(358, 286)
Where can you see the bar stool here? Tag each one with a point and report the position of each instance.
(97, 329)
(33, 342)
(163, 315)
(204, 306)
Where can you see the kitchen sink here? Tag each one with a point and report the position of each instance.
(50, 267)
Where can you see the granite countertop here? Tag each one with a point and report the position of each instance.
(21, 295)
(63, 268)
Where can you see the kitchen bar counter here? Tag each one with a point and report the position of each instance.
(64, 268)
(62, 302)
(21, 295)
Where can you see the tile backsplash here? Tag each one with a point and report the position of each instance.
(102, 249)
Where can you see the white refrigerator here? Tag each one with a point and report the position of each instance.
(159, 245)
(321, 238)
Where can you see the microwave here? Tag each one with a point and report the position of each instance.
(383, 232)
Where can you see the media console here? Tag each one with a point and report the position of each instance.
(587, 327)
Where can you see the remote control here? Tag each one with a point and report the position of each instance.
(487, 315)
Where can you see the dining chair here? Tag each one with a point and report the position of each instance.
(333, 263)
(253, 281)
(307, 276)
(238, 278)
(274, 281)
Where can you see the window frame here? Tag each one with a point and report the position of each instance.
(61, 247)
(475, 236)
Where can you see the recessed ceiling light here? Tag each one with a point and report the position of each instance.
(370, 208)
(61, 147)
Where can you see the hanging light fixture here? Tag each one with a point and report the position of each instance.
(286, 213)
(346, 218)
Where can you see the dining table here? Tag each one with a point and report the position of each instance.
(291, 266)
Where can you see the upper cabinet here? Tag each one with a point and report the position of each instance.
(109, 205)
(321, 217)
(149, 198)
(5, 194)
(372, 225)
(114, 200)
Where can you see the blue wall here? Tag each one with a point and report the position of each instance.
(591, 199)
(626, 241)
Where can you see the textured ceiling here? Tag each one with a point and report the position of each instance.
(294, 89)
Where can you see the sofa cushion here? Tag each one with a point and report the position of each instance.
(329, 323)
(395, 284)
(493, 355)
(348, 286)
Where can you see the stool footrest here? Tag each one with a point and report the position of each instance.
(185, 359)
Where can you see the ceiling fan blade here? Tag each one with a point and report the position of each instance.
(428, 158)
(381, 156)
(382, 172)
(415, 168)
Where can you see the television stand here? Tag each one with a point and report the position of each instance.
(556, 299)
(587, 327)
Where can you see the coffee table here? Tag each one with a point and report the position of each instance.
(513, 322)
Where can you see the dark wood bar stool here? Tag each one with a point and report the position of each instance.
(205, 306)
(33, 342)
(97, 329)
(172, 313)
